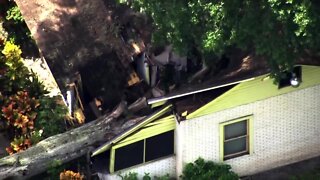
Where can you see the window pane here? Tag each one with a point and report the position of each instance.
(235, 146)
(129, 155)
(160, 145)
(235, 130)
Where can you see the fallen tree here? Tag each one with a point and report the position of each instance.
(64, 147)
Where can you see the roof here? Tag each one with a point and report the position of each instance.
(133, 129)
(244, 67)
(259, 88)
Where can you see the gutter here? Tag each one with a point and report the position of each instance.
(164, 98)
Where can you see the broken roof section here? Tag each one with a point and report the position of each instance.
(74, 39)
(139, 125)
(261, 87)
(244, 67)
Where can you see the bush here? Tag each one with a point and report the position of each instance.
(202, 169)
(19, 112)
(26, 114)
(14, 14)
(129, 176)
(14, 24)
(14, 76)
(70, 175)
(134, 176)
(50, 116)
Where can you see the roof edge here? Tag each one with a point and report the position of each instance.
(126, 133)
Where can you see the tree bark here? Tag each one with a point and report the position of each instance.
(63, 147)
(71, 34)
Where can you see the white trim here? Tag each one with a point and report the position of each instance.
(156, 100)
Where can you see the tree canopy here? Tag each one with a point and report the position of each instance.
(280, 30)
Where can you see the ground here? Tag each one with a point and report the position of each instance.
(310, 166)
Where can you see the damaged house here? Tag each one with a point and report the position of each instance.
(245, 121)
(239, 116)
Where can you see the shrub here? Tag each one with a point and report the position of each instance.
(51, 116)
(24, 142)
(134, 176)
(14, 76)
(25, 113)
(129, 176)
(164, 177)
(70, 175)
(19, 112)
(202, 169)
(14, 14)
(16, 27)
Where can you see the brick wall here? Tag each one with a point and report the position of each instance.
(286, 130)
(156, 168)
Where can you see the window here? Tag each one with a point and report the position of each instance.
(143, 151)
(129, 155)
(151, 141)
(236, 138)
(159, 146)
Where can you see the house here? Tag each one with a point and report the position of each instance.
(254, 125)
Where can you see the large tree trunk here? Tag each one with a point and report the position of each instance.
(63, 147)
(70, 34)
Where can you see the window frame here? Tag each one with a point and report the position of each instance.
(113, 153)
(249, 142)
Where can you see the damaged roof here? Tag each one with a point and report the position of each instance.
(244, 68)
(157, 114)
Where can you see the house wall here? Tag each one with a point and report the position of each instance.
(161, 167)
(155, 168)
(285, 130)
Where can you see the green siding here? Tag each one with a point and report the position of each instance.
(257, 89)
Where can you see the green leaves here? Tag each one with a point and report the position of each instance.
(26, 114)
(279, 30)
(202, 169)
(14, 76)
(14, 14)
(51, 116)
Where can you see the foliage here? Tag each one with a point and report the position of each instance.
(282, 31)
(24, 142)
(16, 27)
(164, 177)
(129, 176)
(14, 76)
(25, 113)
(51, 115)
(19, 144)
(12, 53)
(14, 14)
(19, 112)
(55, 168)
(134, 176)
(70, 175)
(202, 169)
(146, 176)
